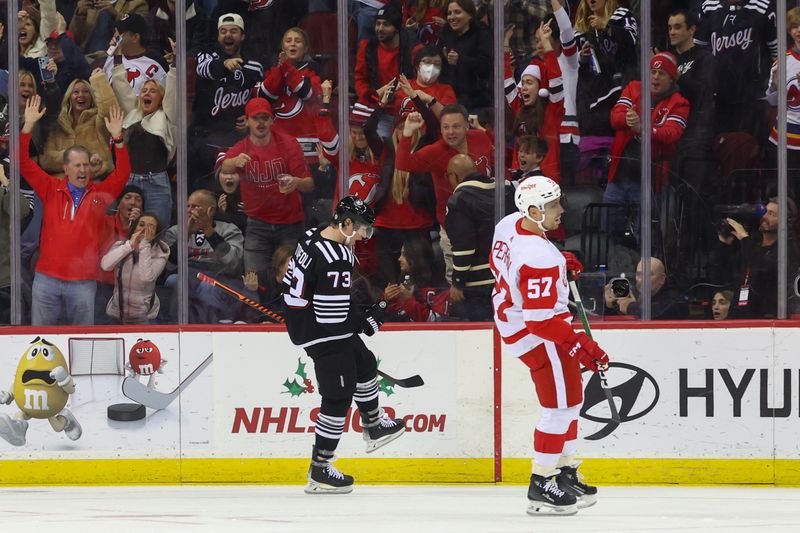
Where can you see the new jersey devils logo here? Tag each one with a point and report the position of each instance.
(793, 94)
(260, 4)
(365, 186)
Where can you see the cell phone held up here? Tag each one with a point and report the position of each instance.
(45, 74)
(392, 90)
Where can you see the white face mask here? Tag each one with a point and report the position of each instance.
(429, 73)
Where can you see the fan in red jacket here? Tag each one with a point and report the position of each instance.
(668, 116)
(292, 88)
(73, 223)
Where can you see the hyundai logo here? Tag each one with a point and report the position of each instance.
(635, 393)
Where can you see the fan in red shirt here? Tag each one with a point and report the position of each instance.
(456, 138)
(273, 172)
(428, 64)
(380, 60)
(292, 88)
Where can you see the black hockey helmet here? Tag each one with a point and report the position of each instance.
(354, 208)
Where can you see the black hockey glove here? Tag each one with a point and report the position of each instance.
(373, 318)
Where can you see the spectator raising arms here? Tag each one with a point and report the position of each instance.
(74, 218)
(536, 102)
(150, 136)
(34, 27)
(131, 49)
(137, 261)
(82, 120)
(456, 138)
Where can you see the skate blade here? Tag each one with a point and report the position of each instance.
(587, 500)
(314, 487)
(373, 445)
(545, 509)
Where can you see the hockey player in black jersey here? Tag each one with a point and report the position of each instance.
(321, 319)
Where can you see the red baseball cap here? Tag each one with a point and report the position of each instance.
(258, 105)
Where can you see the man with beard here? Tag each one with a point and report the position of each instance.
(224, 81)
(273, 172)
(758, 283)
(381, 60)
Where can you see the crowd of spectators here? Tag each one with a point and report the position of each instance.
(97, 87)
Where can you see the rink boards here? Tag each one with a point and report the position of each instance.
(698, 406)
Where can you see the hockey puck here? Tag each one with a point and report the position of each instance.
(126, 412)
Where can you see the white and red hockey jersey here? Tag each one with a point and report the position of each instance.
(530, 284)
(792, 100)
(139, 69)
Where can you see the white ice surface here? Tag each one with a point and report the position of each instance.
(383, 509)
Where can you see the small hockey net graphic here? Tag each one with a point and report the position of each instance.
(89, 356)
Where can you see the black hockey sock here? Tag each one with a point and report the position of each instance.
(366, 397)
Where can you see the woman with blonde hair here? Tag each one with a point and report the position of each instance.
(149, 129)
(81, 120)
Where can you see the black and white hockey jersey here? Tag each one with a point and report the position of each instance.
(743, 38)
(615, 50)
(317, 290)
(220, 94)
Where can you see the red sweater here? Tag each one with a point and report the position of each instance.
(71, 238)
(388, 68)
(292, 93)
(259, 178)
(668, 119)
(435, 157)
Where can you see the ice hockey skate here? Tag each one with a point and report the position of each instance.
(385, 431)
(546, 497)
(571, 481)
(13, 430)
(324, 478)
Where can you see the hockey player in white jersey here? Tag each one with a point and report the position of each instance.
(530, 301)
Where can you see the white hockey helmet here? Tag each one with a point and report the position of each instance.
(536, 191)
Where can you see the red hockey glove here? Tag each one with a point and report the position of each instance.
(573, 265)
(587, 351)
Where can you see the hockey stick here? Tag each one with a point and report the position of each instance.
(242, 298)
(406, 383)
(138, 392)
(615, 419)
(409, 382)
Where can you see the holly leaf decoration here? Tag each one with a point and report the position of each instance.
(301, 369)
(293, 388)
(386, 387)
